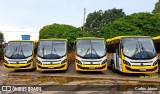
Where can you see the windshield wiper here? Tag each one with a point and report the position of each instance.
(143, 49)
(43, 51)
(95, 52)
(86, 52)
(55, 52)
(14, 52)
(22, 52)
(136, 49)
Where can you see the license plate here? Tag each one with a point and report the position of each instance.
(142, 69)
(51, 67)
(17, 66)
(92, 67)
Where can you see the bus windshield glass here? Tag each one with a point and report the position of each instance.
(52, 49)
(91, 48)
(138, 48)
(19, 50)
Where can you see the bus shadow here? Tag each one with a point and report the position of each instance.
(132, 74)
(25, 70)
(129, 74)
(54, 71)
(90, 72)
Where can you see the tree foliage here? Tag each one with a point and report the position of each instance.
(1, 43)
(145, 24)
(1, 35)
(157, 7)
(61, 31)
(96, 20)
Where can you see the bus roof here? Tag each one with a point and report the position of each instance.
(156, 38)
(120, 37)
(23, 41)
(34, 41)
(54, 39)
(90, 38)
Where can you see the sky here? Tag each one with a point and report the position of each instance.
(18, 17)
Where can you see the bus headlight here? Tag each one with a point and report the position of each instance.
(5, 61)
(64, 61)
(104, 61)
(155, 63)
(126, 62)
(31, 60)
(39, 62)
(78, 61)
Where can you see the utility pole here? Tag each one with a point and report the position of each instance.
(84, 19)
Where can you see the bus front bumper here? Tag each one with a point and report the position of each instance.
(80, 67)
(17, 66)
(140, 69)
(51, 67)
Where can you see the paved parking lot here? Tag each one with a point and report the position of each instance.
(72, 73)
(74, 80)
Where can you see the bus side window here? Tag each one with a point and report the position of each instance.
(118, 48)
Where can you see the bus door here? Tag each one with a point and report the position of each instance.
(118, 58)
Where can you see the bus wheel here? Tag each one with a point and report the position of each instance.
(113, 67)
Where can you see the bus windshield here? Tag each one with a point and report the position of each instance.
(19, 50)
(52, 49)
(138, 48)
(91, 48)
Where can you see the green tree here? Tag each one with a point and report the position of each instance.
(96, 20)
(157, 7)
(61, 31)
(145, 24)
(1, 43)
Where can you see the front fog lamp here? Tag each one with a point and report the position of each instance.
(5, 61)
(126, 62)
(31, 60)
(64, 61)
(104, 61)
(155, 63)
(78, 61)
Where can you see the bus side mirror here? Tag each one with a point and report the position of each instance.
(121, 45)
(74, 44)
(4, 47)
(4, 50)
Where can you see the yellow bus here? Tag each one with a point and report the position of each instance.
(90, 54)
(156, 41)
(132, 54)
(19, 55)
(52, 55)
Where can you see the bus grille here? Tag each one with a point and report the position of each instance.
(90, 69)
